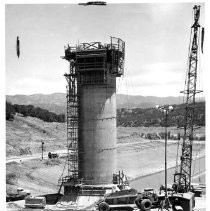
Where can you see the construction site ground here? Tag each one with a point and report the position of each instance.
(142, 160)
(200, 205)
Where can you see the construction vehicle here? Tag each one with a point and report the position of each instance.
(52, 155)
(130, 199)
(35, 202)
(148, 199)
(19, 195)
(182, 179)
(123, 200)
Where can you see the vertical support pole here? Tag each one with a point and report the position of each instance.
(42, 148)
(166, 122)
(167, 203)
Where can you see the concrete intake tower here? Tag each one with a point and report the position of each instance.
(91, 109)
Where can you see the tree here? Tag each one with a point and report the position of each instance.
(10, 111)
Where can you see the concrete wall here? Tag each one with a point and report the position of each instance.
(97, 131)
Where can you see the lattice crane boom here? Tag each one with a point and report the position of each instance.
(184, 179)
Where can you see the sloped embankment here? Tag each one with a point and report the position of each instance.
(25, 134)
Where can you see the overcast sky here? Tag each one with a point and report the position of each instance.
(156, 37)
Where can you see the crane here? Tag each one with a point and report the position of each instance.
(182, 179)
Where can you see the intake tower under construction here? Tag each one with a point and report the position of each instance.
(91, 111)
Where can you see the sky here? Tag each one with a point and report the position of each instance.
(156, 36)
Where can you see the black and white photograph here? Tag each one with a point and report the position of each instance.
(105, 106)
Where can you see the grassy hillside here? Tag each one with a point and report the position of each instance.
(25, 134)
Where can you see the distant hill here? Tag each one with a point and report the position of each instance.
(57, 102)
(132, 101)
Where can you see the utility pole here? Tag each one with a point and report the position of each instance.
(166, 111)
(42, 146)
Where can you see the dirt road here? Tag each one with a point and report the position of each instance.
(19, 159)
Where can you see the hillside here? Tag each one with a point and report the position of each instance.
(30, 110)
(131, 101)
(25, 134)
(57, 102)
(53, 102)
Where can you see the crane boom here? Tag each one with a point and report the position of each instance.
(184, 177)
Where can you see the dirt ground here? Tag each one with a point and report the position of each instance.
(38, 176)
(41, 176)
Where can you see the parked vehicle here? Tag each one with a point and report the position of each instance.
(123, 200)
(52, 155)
(20, 195)
(35, 202)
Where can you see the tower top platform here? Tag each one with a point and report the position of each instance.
(95, 56)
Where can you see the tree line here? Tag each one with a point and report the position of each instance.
(125, 117)
(30, 110)
(151, 117)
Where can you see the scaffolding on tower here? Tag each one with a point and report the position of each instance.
(72, 121)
